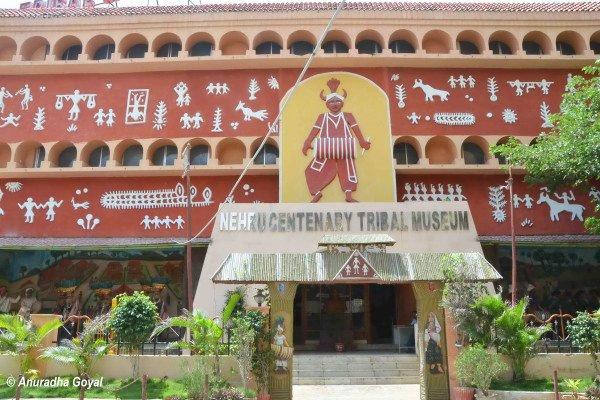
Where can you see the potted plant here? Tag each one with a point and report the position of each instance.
(476, 367)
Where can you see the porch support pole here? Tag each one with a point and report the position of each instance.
(431, 341)
(282, 314)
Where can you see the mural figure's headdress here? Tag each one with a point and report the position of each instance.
(333, 85)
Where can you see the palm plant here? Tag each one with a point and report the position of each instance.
(204, 334)
(516, 339)
(19, 338)
(82, 351)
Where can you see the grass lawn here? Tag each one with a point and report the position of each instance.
(539, 385)
(157, 389)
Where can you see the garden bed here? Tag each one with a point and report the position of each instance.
(157, 389)
(536, 389)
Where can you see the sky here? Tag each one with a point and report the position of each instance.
(125, 3)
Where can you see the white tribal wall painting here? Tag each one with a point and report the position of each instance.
(137, 106)
(433, 192)
(86, 208)
(556, 203)
(39, 120)
(166, 222)
(446, 100)
(160, 198)
(273, 83)
(253, 89)
(160, 116)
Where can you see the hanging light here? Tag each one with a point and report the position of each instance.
(259, 297)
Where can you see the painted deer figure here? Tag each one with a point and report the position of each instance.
(430, 91)
(260, 115)
(556, 207)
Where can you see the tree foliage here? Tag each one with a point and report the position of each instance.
(569, 153)
(134, 318)
(584, 331)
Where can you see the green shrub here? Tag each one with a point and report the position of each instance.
(133, 320)
(477, 367)
(584, 331)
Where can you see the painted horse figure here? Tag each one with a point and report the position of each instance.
(556, 207)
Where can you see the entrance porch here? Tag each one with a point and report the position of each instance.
(361, 317)
(332, 296)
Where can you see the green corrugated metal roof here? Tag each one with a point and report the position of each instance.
(323, 267)
(341, 239)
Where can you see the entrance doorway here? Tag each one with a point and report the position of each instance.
(357, 316)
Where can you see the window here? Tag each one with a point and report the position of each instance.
(473, 154)
(104, 52)
(498, 47)
(335, 46)
(199, 155)
(401, 46)
(267, 155)
(565, 49)
(405, 153)
(164, 155)
(532, 48)
(72, 53)
(201, 49)
(595, 46)
(169, 50)
(132, 156)
(368, 47)
(39, 156)
(301, 48)
(268, 48)
(137, 51)
(99, 157)
(467, 47)
(66, 158)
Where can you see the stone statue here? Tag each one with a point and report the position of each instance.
(29, 304)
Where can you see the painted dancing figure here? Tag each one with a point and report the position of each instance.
(29, 206)
(27, 97)
(4, 94)
(51, 204)
(335, 151)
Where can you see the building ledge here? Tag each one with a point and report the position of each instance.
(252, 61)
(81, 243)
(542, 239)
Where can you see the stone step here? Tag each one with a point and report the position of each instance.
(356, 365)
(365, 373)
(398, 380)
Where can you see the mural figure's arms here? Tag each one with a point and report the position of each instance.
(316, 129)
(357, 132)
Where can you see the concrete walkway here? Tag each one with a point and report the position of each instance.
(356, 392)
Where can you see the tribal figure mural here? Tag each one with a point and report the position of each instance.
(336, 133)
(346, 117)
